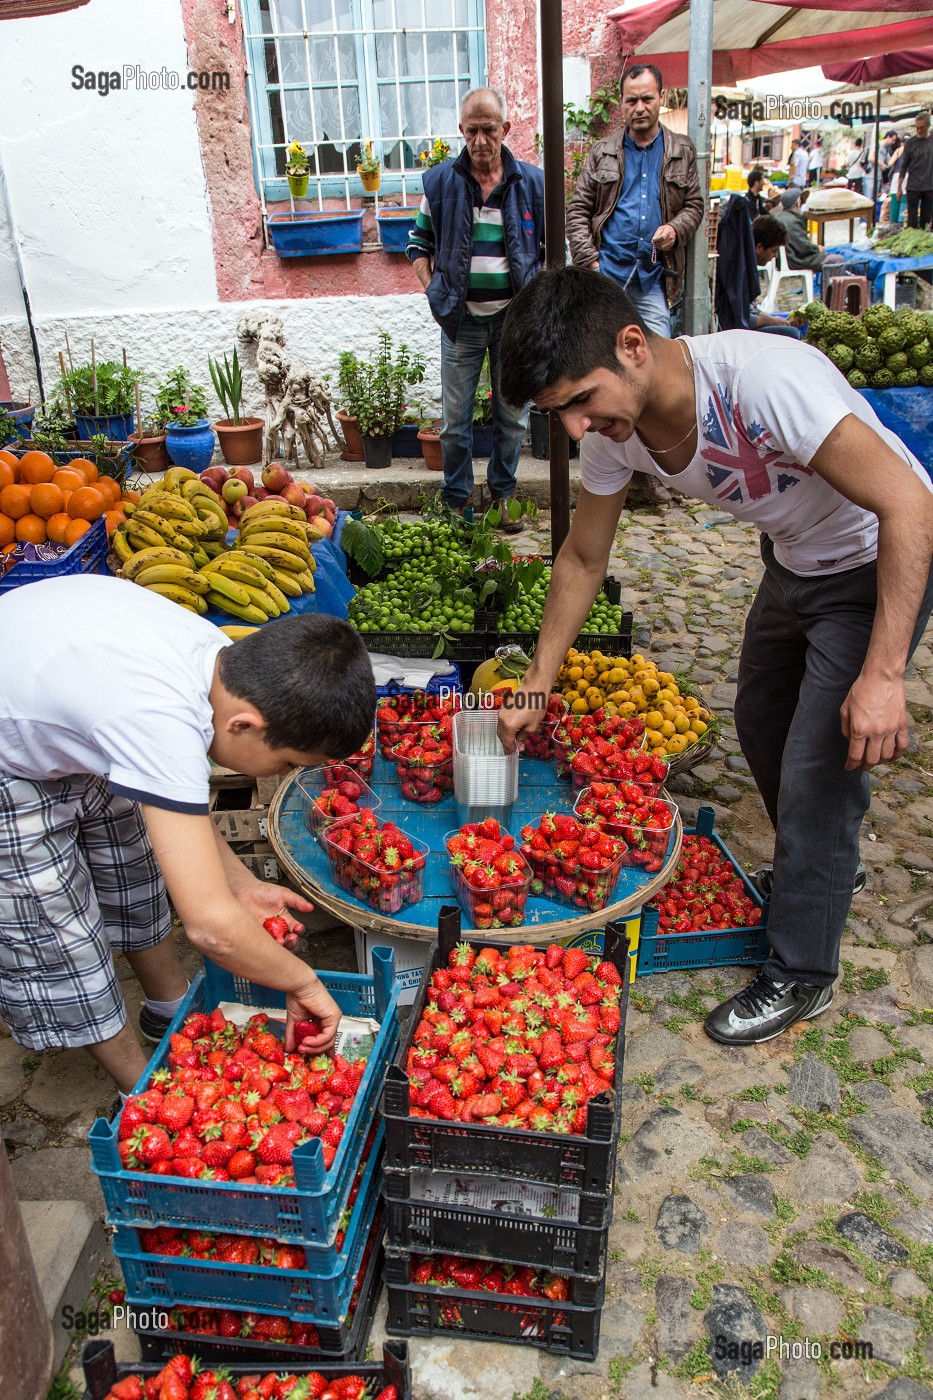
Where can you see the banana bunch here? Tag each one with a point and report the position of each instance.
(178, 513)
(278, 535)
(244, 586)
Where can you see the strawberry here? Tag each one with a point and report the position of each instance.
(305, 1030)
(333, 1133)
(274, 1147)
(278, 927)
(573, 962)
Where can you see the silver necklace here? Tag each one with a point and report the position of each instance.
(663, 451)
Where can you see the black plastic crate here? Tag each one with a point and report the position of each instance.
(102, 1370)
(581, 1162)
(424, 1227)
(346, 1342)
(610, 643)
(420, 1310)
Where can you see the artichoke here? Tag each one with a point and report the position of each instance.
(925, 376)
(857, 379)
(882, 379)
(824, 345)
(914, 327)
(813, 310)
(891, 339)
(843, 356)
(896, 363)
(877, 318)
(869, 357)
(907, 379)
(920, 354)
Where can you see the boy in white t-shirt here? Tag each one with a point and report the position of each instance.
(113, 702)
(769, 430)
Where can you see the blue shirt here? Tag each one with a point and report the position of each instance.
(625, 245)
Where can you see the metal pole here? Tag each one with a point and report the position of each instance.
(875, 172)
(18, 254)
(552, 109)
(699, 103)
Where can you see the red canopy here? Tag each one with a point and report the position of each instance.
(883, 65)
(28, 9)
(752, 38)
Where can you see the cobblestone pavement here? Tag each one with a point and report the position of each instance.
(781, 1191)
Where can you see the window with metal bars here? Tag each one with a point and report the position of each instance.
(333, 74)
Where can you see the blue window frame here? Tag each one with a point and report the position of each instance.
(333, 74)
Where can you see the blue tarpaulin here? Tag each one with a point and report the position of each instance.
(909, 413)
(874, 266)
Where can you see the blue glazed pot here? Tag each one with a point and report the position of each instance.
(482, 439)
(405, 441)
(22, 414)
(115, 426)
(191, 447)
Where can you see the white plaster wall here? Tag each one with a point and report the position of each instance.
(108, 192)
(316, 330)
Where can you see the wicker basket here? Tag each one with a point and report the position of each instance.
(697, 753)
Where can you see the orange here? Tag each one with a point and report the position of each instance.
(112, 519)
(69, 480)
(85, 504)
(56, 525)
(84, 464)
(75, 530)
(46, 499)
(31, 529)
(6, 474)
(109, 489)
(36, 466)
(7, 530)
(11, 460)
(14, 501)
(131, 496)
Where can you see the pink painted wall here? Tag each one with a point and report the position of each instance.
(245, 269)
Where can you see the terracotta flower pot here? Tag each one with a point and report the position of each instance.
(351, 436)
(240, 443)
(431, 449)
(150, 453)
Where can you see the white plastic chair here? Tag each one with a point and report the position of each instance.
(799, 280)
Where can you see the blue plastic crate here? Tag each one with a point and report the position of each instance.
(319, 1293)
(728, 947)
(85, 557)
(308, 1212)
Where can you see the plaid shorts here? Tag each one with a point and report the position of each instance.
(78, 879)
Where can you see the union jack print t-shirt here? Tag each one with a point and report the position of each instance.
(764, 410)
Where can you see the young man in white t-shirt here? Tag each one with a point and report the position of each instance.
(769, 430)
(113, 702)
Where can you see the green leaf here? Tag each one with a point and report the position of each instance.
(363, 544)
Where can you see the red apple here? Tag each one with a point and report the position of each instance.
(260, 493)
(244, 474)
(214, 477)
(233, 522)
(241, 506)
(233, 490)
(314, 505)
(294, 494)
(320, 522)
(275, 477)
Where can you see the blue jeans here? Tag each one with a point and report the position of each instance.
(652, 307)
(461, 365)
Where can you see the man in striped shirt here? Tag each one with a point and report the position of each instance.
(478, 238)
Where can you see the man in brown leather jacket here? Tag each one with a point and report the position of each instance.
(638, 202)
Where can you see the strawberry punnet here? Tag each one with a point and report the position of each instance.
(406, 714)
(540, 744)
(232, 1105)
(628, 811)
(488, 876)
(705, 893)
(375, 861)
(572, 863)
(506, 1034)
(612, 733)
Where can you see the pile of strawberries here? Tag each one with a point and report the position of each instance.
(600, 758)
(572, 863)
(341, 799)
(488, 876)
(375, 861)
(625, 810)
(181, 1378)
(424, 761)
(540, 744)
(231, 1105)
(573, 732)
(484, 1276)
(397, 714)
(705, 893)
(522, 1037)
(362, 762)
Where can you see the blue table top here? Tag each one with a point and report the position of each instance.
(539, 791)
(909, 414)
(874, 266)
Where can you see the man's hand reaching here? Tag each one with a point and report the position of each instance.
(874, 720)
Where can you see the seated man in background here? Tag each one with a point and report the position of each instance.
(802, 252)
(769, 236)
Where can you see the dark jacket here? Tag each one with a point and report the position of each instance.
(597, 194)
(449, 191)
(737, 283)
(802, 252)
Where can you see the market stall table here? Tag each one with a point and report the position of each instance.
(880, 269)
(304, 859)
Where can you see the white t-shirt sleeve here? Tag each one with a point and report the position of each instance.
(173, 773)
(603, 468)
(793, 393)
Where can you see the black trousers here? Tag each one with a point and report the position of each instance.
(919, 208)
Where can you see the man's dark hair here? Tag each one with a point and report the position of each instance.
(636, 70)
(311, 680)
(754, 175)
(563, 324)
(768, 232)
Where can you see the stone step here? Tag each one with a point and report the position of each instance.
(69, 1246)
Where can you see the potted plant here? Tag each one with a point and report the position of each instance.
(15, 421)
(349, 386)
(429, 435)
(101, 396)
(369, 168)
(182, 406)
(240, 438)
(149, 451)
(377, 391)
(482, 413)
(296, 169)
